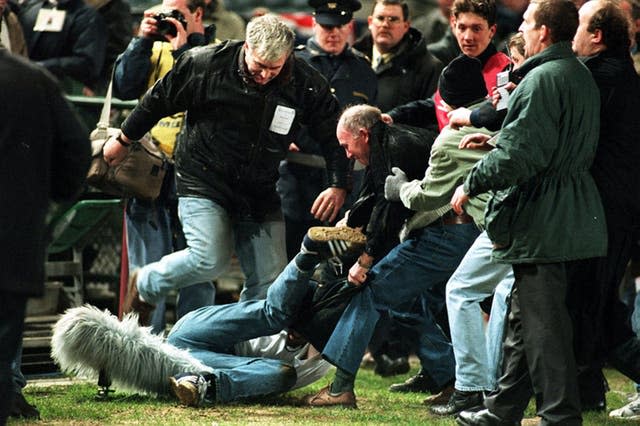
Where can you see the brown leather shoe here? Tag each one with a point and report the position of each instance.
(325, 399)
(441, 398)
(132, 302)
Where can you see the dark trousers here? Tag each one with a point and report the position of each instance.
(538, 350)
(12, 310)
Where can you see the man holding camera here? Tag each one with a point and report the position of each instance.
(166, 31)
(245, 103)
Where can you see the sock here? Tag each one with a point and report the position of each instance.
(211, 387)
(343, 382)
(306, 260)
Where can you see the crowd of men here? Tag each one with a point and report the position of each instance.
(492, 179)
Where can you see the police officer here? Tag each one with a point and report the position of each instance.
(302, 176)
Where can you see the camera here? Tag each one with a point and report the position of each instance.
(166, 27)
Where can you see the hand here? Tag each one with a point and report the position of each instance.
(393, 183)
(328, 204)
(386, 118)
(459, 199)
(459, 118)
(148, 26)
(293, 147)
(475, 141)
(357, 275)
(114, 152)
(180, 39)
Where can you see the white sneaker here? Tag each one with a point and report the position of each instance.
(631, 411)
(190, 388)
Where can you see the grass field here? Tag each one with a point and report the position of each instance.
(76, 405)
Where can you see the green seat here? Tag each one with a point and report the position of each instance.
(71, 229)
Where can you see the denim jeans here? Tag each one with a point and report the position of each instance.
(150, 229)
(211, 332)
(478, 351)
(411, 269)
(12, 312)
(211, 236)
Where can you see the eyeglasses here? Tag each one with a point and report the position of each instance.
(391, 20)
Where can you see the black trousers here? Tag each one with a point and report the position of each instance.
(12, 311)
(538, 349)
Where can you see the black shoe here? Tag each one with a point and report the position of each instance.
(21, 408)
(594, 406)
(482, 418)
(418, 383)
(460, 401)
(385, 366)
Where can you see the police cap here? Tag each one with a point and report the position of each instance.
(334, 12)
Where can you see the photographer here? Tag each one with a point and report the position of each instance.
(165, 32)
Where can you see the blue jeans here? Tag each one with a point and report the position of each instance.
(150, 229)
(211, 332)
(12, 312)
(478, 353)
(411, 269)
(211, 236)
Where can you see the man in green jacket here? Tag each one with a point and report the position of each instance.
(546, 214)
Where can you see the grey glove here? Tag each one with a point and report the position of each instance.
(393, 183)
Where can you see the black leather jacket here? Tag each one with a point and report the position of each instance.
(228, 152)
(391, 146)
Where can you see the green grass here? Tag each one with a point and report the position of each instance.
(76, 405)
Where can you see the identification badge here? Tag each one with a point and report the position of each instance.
(282, 120)
(502, 78)
(50, 20)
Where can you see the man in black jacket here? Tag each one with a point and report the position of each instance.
(45, 156)
(245, 102)
(602, 331)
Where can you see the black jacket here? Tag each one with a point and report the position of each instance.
(228, 154)
(391, 146)
(616, 167)
(44, 155)
(412, 74)
(78, 51)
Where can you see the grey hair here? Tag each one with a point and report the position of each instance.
(269, 37)
(358, 117)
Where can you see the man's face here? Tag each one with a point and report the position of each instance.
(355, 146)
(531, 34)
(332, 39)
(387, 26)
(261, 71)
(473, 33)
(194, 19)
(583, 39)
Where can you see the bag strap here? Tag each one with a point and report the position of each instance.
(105, 115)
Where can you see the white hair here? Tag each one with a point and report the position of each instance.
(269, 37)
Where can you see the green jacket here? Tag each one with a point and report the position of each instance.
(448, 166)
(548, 208)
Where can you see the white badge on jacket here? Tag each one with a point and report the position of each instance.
(282, 120)
(50, 20)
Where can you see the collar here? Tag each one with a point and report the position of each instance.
(558, 50)
(315, 49)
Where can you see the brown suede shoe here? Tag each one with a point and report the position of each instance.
(325, 399)
(132, 302)
(441, 398)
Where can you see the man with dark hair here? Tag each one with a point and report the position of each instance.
(603, 331)
(474, 25)
(546, 214)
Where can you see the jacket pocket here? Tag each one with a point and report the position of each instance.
(499, 216)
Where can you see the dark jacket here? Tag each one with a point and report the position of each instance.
(77, 51)
(44, 155)
(548, 208)
(229, 154)
(412, 74)
(391, 146)
(616, 167)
